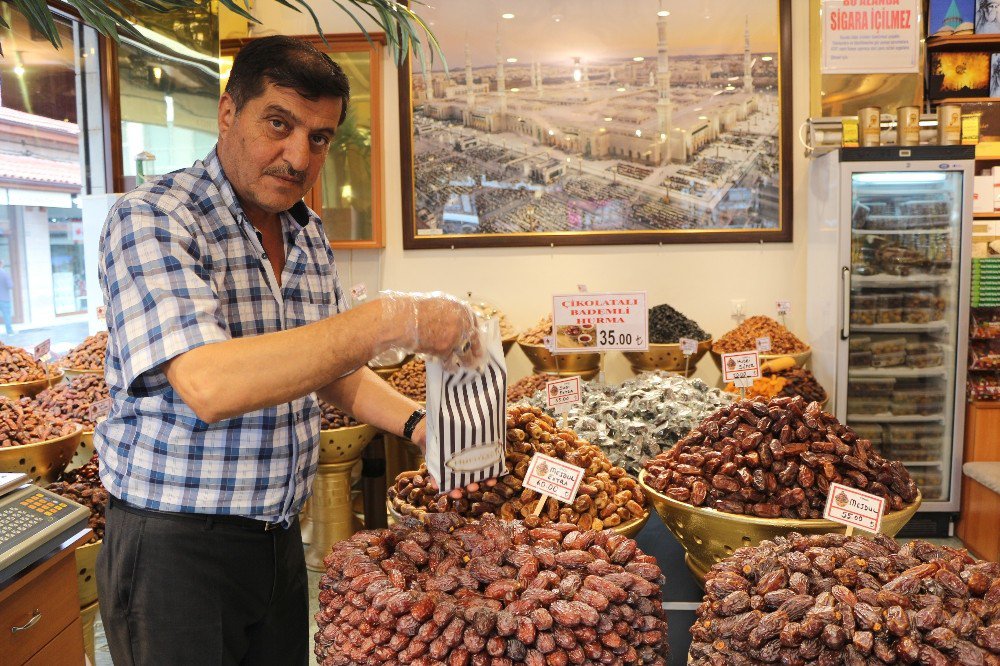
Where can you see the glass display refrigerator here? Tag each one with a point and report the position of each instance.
(888, 305)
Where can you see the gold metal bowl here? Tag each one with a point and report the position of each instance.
(666, 357)
(801, 359)
(42, 461)
(507, 344)
(344, 444)
(709, 536)
(76, 372)
(85, 451)
(18, 390)
(86, 572)
(542, 360)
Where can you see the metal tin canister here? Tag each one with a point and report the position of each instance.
(870, 126)
(949, 118)
(908, 126)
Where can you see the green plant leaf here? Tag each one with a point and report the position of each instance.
(39, 17)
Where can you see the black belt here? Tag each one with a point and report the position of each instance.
(209, 519)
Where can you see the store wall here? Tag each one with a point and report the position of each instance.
(699, 280)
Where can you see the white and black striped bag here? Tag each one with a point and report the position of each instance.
(467, 418)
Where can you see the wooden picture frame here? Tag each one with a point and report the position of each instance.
(360, 140)
(543, 148)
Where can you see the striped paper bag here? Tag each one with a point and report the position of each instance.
(467, 418)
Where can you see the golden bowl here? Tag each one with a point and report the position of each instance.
(18, 390)
(76, 372)
(344, 444)
(666, 357)
(709, 536)
(542, 360)
(42, 461)
(801, 359)
(85, 451)
(86, 572)
(507, 344)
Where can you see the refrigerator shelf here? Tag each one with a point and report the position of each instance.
(922, 463)
(898, 281)
(902, 232)
(890, 418)
(901, 328)
(898, 372)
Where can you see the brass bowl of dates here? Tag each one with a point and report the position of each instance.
(86, 572)
(17, 390)
(85, 451)
(508, 343)
(76, 372)
(666, 357)
(710, 536)
(344, 444)
(41, 461)
(542, 360)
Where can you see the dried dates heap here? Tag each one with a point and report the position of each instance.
(607, 497)
(774, 459)
(411, 380)
(83, 485)
(332, 417)
(89, 354)
(833, 599)
(23, 422)
(72, 400)
(18, 365)
(491, 593)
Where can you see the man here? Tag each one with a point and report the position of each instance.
(220, 285)
(988, 16)
(6, 304)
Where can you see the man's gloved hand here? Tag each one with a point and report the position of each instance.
(435, 324)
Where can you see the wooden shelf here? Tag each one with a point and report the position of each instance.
(957, 42)
(988, 150)
(986, 216)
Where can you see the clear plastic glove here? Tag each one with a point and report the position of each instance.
(434, 324)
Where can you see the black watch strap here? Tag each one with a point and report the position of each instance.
(411, 423)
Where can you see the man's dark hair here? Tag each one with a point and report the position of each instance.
(289, 63)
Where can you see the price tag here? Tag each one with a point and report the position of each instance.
(99, 410)
(740, 365)
(854, 508)
(562, 393)
(689, 346)
(784, 308)
(582, 288)
(553, 477)
(42, 350)
(548, 342)
(101, 312)
(597, 322)
(763, 345)
(359, 292)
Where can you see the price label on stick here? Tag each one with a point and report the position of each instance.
(101, 311)
(763, 345)
(784, 308)
(741, 366)
(689, 346)
(854, 508)
(553, 478)
(359, 292)
(42, 350)
(99, 410)
(563, 393)
(597, 322)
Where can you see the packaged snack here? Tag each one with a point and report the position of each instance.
(871, 387)
(889, 345)
(889, 359)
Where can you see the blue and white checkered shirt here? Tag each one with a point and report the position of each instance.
(181, 266)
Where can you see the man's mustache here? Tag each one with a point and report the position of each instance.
(286, 172)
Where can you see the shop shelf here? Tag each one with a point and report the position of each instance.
(924, 463)
(901, 328)
(902, 232)
(901, 372)
(889, 418)
(899, 281)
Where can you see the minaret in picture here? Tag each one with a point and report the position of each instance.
(470, 95)
(538, 78)
(664, 107)
(428, 77)
(586, 76)
(534, 72)
(501, 81)
(747, 76)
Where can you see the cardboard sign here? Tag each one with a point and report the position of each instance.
(99, 410)
(42, 350)
(854, 508)
(553, 477)
(740, 365)
(562, 393)
(763, 345)
(784, 308)
(689, 346)
(600, 322)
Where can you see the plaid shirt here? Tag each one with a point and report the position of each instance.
(181, 266)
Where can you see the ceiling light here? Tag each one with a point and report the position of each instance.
(507, 16)
(512, 60)
(663, 12)
(157, 73)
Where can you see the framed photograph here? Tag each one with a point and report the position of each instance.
(955, 74)
(951, 17)
(565, 124)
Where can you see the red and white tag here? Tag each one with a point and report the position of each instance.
(359, 292)
(689, 346)
(763, 345)
(553, 477)
(854, 508)
(41, 352)
(99, 410)
(563, 393)
(102, 312)
(582, 288)
(741, 368)
(784, 308)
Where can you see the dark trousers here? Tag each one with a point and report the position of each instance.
(191, 590)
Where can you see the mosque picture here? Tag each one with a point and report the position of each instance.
(562, 123)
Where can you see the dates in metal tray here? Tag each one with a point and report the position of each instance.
(833, 599)
(489, 593)
(775, 459)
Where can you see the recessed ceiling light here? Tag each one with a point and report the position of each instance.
(507, 16)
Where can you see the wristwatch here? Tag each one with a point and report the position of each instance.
(411, 423)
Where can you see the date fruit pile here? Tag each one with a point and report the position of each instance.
(411, 380)
(607, 497)
(774, 459)
(744, 338)
(72, 400)
(667, 326)
(526, 387)
(24, 422)
(799, 381)
(536, 334)
(83, 485)
(333, 418)
(833, 599)
(89, 354)
(462, 593)
(18, 365)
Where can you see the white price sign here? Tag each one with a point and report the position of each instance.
(553, 477)
(763, 345)
(854, 508)
(359, 292)
(784, 308)
(740, 366)
(42, 350)
(101, 311)
(99, 410)
(600, 322)
(689, 346)
(562, 393)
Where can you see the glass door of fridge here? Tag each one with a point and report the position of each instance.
(905, 238)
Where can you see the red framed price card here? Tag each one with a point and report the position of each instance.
(553, 477)
(854, 508)
(595, 322)
(741, 368)
(562, 393)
